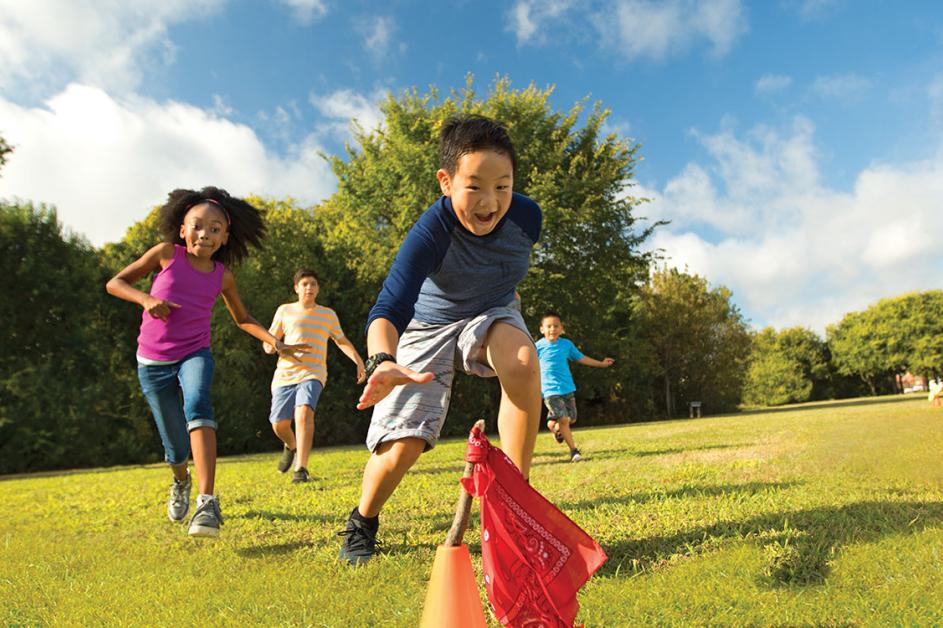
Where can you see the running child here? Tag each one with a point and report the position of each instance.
(203, 233)
(556, 381)
(449, 297)
(297, 383)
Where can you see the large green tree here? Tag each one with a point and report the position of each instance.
(695, 342)
(788, 366)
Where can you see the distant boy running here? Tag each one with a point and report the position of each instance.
(449, 297)
(298, 382)
(556, 381)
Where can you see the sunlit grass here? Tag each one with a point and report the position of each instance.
(818, 514)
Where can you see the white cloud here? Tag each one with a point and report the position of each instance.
(794, 251)
(841, 87)
(770, 83)
(377, 33)
(345, 107)
(529, 18)
(644, 28)
(812, 9)
(104, 162)
(307, 11)
(105, 43)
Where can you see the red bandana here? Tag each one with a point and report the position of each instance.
(534, 557)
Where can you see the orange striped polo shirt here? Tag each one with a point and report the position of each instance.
(293, 324)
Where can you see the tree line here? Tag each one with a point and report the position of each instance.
(69, 395)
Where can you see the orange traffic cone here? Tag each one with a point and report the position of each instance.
(452, 600)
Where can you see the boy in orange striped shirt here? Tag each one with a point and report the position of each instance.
(298, 382)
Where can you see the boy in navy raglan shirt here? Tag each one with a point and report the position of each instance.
(450, 295)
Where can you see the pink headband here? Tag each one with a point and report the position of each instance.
(214, 202)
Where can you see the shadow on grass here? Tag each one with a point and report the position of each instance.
(270, 515)
(828, 405)
(278, 549)
(686, 491)
(604, 454)
(798, 546)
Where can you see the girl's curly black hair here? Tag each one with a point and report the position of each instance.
(245, 221)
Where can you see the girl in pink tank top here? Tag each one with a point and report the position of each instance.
(203, 232)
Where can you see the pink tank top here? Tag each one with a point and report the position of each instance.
(187, 329)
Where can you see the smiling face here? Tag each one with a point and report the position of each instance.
(307, 290)
(480, 189)
(551, 327)
(204, 230)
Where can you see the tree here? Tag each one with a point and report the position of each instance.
(587, 264)
(55, 393)
(696, 344)
(889, 337)
(789, 366)
(5, 150)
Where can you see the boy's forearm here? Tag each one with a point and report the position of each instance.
(351, 352)
(588, 361)
(382, 337)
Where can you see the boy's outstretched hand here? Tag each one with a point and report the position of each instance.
(607, 362)
(387, 376)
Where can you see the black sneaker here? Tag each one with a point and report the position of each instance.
(360, 540)
(556, 432)
(288, 459)
(301, 476)
(575, 455)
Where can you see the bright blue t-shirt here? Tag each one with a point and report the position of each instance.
(555, 376)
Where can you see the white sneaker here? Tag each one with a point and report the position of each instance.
(207, 518)
(178, 505)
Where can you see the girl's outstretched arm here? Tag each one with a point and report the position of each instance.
(122, 284)
(246, 323)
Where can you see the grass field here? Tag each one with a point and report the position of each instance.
(816, 514)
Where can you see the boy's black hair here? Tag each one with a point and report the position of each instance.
(467, 133)
(548, 314)
(301, 273)
(245, 221)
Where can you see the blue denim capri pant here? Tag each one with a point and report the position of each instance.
(179, 397)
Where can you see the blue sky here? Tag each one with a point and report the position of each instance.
(796, 146)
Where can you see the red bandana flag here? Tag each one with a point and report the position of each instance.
(534, 557)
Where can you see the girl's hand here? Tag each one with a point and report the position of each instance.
(607, 362)
(386, 377)
(159, 308)
(291, 351)
(361, 373)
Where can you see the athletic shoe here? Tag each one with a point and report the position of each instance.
(360, 540)
(556, 432)
(207, 519)
(300, 476)
(575, 455)
(287, 459)
(178, 505)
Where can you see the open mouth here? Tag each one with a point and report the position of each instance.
(486, 218)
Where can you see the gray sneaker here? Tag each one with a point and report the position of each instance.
(178, 505)
(287, 459)
(207, 519)
(301, 476)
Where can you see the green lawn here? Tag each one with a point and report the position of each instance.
(816, 514)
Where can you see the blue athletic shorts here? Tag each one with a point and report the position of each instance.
(286, 398)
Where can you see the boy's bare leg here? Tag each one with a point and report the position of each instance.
(203, 446)
(304, 434)
(384, 471)
(512, 355)
(566, 432)
(282, 429)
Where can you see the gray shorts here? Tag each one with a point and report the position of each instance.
(418, 410)
(560, 406)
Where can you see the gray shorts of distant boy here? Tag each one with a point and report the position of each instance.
(418, 410)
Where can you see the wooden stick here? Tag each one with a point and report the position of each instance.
(463, 507)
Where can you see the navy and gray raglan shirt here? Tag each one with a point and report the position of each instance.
(443, 273)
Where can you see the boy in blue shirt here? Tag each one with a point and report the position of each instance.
(450, 298)
(556, 381)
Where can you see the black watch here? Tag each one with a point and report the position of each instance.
(376, 360)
